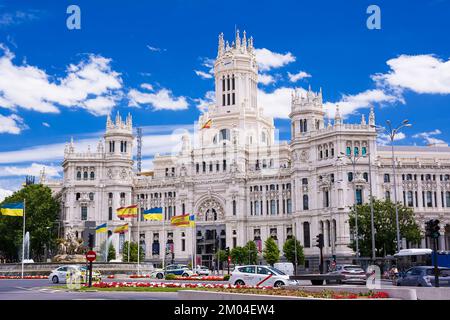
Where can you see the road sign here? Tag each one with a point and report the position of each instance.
(91, 256)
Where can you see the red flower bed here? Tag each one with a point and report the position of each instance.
(379, 295)
(126, 284)
(24, 277)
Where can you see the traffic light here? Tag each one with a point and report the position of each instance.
(432, 228)
(227, 249)
(319, 240)
(91, 241)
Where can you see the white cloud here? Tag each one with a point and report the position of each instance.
(428, 137)
(147, 86)
(294, 77)
(34, 170)
(265, 79)
(268, 60)
(155, 49)
(204, 103)
(421, 74)
(4, 193)
(160, 100)
(17, 17)
(203, 75)
(45, 124)
(91, 84)
(383, 139)
(277, 103)
(350, 103)
(11, 124)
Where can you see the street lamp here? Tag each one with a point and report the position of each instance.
(353, 160)
(391, 133)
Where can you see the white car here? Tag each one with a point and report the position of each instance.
(60, 274)
(202, 271)
(260, 276)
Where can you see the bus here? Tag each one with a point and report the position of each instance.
(408, 258)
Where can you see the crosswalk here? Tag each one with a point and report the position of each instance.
(40, 289)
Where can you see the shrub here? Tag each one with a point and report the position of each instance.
(170, 276)
(226, 277)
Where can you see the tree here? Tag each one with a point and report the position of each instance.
(289, 252)
(250, 253)
(385, 226)
(133, 252)
(112, 253)
(238, 255)
(41, 216)
(271, 252)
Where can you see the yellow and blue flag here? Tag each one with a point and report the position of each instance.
(101, 228)
(14, 209)
(192, 220)
(155, 214)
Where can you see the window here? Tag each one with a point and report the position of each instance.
(387, 195)
(224, 166)
(359, 198)
(306, 235)
(257, 208)
(356, 151)
(183, 244)
(110, 213)
(364, 151)
(348, 151)
(234, 205)
(85, 175)
(91, 196)
(110, 195)
(272, 207)
(410, 199)
(447, 199)
(92, 175)
(429, 199)
(350, 176)
(197, 167)
(305, 181)
(79, 175)
(83, 213)
(387, 178)
(112, 146)
(289, 205)
(326, 199)
(305, 202)
(77, 196)
(366, 176)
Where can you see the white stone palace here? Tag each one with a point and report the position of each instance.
(243, 185)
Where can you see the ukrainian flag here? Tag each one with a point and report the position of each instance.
(192, 220)
(101, 228)
(155, 214)
(14, 209)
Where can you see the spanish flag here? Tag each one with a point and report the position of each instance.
(121, 229)
(207, 124)
(180, 221)
(127, 212)
(14, 209)
(192, 220)
(155, 214)
(101, 228)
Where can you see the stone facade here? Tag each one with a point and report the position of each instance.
(242, 184)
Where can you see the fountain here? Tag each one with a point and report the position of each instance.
(26, 248)
(107, 244)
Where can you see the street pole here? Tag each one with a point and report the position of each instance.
(139, 239)
(23, 236)
(356, 210)
(295, 247)
(372, 226)
(395, 192)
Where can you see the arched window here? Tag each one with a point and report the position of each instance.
(92, 175)
(224, 134)
(78, 175)
(77, 196)
(306, 235)
(350, 176)
(85, 175)
(110, 213)
(305, 181)
(91, 196)
(263, 137)
(305, 202)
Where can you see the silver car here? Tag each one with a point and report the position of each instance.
(351, 274)
(423, 276)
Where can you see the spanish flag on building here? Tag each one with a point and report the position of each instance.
(101, 228)
(180, 221)
(14, 209)
(127, 212)
(207, 124)
(155, 214)
(121, 229)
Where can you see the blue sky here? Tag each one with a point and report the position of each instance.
(152, 58)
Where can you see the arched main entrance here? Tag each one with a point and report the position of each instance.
(210, 231)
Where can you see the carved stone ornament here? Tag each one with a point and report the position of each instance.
(206, 208)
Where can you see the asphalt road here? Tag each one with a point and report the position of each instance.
(44, 290)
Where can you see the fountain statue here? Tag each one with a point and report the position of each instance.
(70, 249)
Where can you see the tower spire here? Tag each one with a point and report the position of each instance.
(238, 39)
(371, 117)
(221, 46)
(244, 40)
(337, 116)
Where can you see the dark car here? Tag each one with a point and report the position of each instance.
(423, 276)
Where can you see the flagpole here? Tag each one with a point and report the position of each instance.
(139, 240)
(164, 240)
(129, 240)
(193, 248)
(23, 236)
